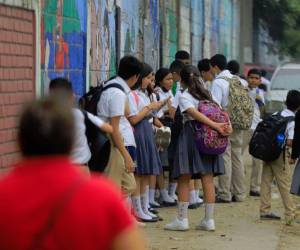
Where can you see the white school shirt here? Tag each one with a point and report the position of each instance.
(289, 132)
(138, 102)
(113, 103)
(220, 88)
(81, 153)
(163, 96)
(186, 101)
(256, 111)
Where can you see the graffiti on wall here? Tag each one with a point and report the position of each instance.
(103, 41)
(197, 28)
(129, 27)
(225, 28)
(168, 15)
(151, 35)
(63, 43)
(214, 39)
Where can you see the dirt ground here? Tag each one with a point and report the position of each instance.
(237, 228)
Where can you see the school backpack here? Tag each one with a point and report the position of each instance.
(98, 141)
(269, 138)
(240, 105)
(208, 140)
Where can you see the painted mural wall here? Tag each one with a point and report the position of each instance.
(63, 42)
(80, 33)
(102, 41)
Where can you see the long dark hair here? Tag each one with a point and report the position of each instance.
(146, 70)
(190, 78)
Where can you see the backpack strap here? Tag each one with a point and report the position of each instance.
(113, 85)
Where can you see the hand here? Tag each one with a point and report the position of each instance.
(292, 161)
(228, 128)
(221, 128)
(129, 164)
(154, 105)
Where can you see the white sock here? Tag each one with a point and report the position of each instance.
(138, 208)
(198, 199)
(172, 188)
(209, 211)
(144, 203)
(152, 197)
(166, 197)
(182, 210)
(147, 194)
(192, 197)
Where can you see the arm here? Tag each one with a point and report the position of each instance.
(220, 127)
(107, 128)
(130, 239)
(157, 123)
(172, 112)
(118, 141)
(99, 123)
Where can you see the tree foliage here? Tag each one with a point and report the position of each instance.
(281, 18)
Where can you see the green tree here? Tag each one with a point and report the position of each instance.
(281, 18)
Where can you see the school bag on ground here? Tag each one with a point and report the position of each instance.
(208, 140)
(240, 105)
(99, 143)
(269, 139)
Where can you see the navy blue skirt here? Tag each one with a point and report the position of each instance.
(148, 161)
(188, 160)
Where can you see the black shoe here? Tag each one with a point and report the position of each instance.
(219, 200)
(169, 204)
(234, 199)
(270, 216)
(152, 210)
(254, 193)
(193, 206)
(153, 205)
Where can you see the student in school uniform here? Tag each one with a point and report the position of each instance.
(113, 107)
(175, 68)
(231, 186)
(194, 201)
(81, 153)
(257, 96)
(206, 74)
(183, 56)
(148, 160)
(280, 169)
(188, 162)
(164, 83)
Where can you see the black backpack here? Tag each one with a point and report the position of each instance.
(269, 140)
(98, 141)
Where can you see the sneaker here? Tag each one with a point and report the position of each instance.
(206, 225)
(178, 225)
(152, 210)
(269, 216)
(254, 193)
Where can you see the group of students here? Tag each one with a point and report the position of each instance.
(150, 118)
(151, 122)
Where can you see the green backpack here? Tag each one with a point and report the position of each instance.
(240, 105)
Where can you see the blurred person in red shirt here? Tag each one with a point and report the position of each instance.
(47, 203)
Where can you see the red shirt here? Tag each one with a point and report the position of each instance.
(90, 219)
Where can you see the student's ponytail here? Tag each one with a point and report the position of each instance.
(190, 78)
